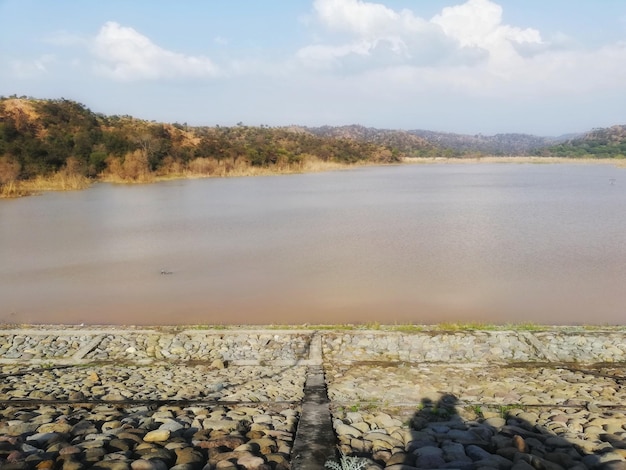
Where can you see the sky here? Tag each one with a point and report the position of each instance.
(544, 67)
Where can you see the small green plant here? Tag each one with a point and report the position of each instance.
(346, 463)
(506, 409)
(476, 409)
(440, 412)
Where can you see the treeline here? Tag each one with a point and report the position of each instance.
(404, 142)
(599, 143)
(39, 138)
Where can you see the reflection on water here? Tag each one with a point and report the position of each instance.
(421, 244)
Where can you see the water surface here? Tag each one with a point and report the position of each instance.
(427, 243)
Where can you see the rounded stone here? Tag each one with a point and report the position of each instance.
(158, 435)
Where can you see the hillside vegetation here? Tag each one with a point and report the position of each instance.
(62, 144)
(404, 142)
(599, 143)
(498, 144)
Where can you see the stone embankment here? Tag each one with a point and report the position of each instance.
(157, 398)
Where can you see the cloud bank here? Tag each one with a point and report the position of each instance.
(466, 48)
(126, 55)
(465, 67)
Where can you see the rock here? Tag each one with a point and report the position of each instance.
(250, 462)
(345, 429)
(354, 417)
(220, 425)
(495, 422)
(430, 461)
(477, 453)
(70, 450)
(188, 455)
(264, 445)
(222, 465)
(45, 465)
(158, 435)
(157, 453)
(522, 466)
(454, 451)
(231, 442)
(76, 396)
(402, 458)
(72, 465)
(400, 467)
(94, 454)
(152, 464)
(172, 425)
(383, 421)
(111, 465)
(519, 443)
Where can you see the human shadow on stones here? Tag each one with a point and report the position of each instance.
(448, 435)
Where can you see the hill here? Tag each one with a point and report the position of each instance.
(405, 142)
(62, 144)
(423, 143)
(64, 139)
(498, 144)
(599, 143)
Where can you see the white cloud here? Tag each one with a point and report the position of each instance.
(468, 32)
(378, 35)
(478, 23)
(372, 35)
(466, 49)
(354, 16)
(127, 55)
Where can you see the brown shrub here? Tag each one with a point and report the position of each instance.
(203, 166)
(133, 167)
(9, 170)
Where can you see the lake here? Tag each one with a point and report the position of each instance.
(494, 243)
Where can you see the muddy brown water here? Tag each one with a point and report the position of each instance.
(423, 244)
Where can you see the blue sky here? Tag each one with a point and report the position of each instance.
(475, 66)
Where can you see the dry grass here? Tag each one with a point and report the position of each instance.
(207, 167)
(133, 170)
(57, 182)
(11, 190)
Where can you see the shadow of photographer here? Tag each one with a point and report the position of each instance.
(445, 434)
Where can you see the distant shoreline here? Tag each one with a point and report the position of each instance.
(620, 163)
(57, 182)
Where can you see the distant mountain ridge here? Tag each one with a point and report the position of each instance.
(429, 143)
(498, 144)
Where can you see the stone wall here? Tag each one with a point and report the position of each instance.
(476, 346)
(243, 346)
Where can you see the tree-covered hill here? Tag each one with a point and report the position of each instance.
(404, 142)
(499, 144)
(64, 140)
(599, 143)
(44, 137)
